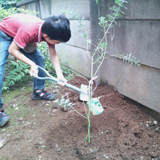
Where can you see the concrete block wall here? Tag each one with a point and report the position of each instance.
(138, 34)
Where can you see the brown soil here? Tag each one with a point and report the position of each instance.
(45, 132)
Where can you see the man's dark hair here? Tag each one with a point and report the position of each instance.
(57, 28)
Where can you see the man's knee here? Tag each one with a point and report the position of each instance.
(41, 61)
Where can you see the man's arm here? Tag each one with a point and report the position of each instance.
(56, 64)
(14, 49)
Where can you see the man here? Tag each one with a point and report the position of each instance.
(18, 36)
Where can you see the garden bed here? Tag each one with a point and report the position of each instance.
(39, 130)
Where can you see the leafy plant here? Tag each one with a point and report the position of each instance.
(64, 103)
(128, 58)
(17, 72)
(8, 3)
(7, 12)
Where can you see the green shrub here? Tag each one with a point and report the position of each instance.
(8, 3)
(16, 72)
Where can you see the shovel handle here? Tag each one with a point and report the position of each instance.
(50, 77)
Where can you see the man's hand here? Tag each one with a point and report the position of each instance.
(56, 63)
(62, 81)
(33, 70)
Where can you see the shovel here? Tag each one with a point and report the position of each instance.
(83, 90)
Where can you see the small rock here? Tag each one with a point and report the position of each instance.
(59, 149)
(16, 108)
(155, 122)
(104, 156)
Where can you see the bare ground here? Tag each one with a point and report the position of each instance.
(39, 130)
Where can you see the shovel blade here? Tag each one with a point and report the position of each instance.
(84, 96)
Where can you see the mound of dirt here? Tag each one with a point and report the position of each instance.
(122, 132)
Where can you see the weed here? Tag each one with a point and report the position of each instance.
(64, 103)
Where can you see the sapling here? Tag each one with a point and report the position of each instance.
(100, 52)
